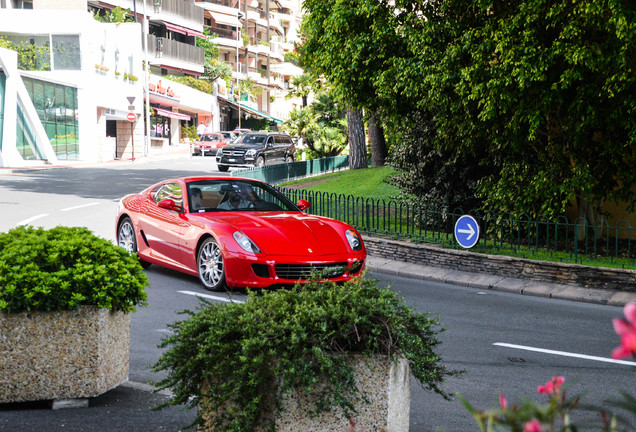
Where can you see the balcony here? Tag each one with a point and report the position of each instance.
(164, 50)
(183, 10)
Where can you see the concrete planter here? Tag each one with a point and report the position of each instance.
(62, 355)
(386, 385)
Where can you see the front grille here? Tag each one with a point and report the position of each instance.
(238, 153)
(303, 271)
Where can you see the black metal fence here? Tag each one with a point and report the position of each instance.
(559, 239)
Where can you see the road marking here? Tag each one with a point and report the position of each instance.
(566, 354)
(211, 297)
(31, 219)
(79, 206)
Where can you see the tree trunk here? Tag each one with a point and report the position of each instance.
(357, 145)
(376, 141)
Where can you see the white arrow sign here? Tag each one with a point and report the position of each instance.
(470, 231)
(466, 231)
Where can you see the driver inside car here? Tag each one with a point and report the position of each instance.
(237, 199)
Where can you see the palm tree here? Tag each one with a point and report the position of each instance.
(302, 86)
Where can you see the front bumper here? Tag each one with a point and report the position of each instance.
(249, 271)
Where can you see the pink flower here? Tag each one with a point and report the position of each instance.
(502, 401)
(626, 329)
(532, 426)
(552, 386)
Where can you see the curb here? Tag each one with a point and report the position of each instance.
(500, 283)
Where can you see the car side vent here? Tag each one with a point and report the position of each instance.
(143, 236)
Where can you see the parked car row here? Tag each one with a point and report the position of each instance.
(209, 143)
(245, 148)
(256, 149)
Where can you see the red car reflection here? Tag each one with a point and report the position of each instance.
(209, 143)
(233, 232)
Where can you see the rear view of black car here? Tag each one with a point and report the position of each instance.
(256, 149)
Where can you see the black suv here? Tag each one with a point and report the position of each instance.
(256, 149)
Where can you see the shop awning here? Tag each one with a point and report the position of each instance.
(171, 114)
(253, 111)
(229, 20)
(184, 31)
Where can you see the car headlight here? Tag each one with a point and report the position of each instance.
(220, 152)
(245, 242)
(354, 240)
(250, 153)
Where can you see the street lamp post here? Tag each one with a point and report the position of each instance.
(238, 66)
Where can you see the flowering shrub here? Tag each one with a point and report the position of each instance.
(626, 329)
(555, 415)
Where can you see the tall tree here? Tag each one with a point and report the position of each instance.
(357, 145)
(545, 85)
(349, 42)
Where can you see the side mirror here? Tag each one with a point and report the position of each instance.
(303, 204)
(169, 204)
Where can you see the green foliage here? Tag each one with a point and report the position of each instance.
(238, 356)
(117, 15)
(322, 126)
(349, 42)
(31, 57)
(294, 58)
(302, 86)
(429, 172)
(63, 268)
(189, 131)
(545, 88)
(538, 94)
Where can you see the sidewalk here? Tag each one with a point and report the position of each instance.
(175, 149)
(484, 281)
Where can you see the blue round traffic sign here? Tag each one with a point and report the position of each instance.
(466, 231)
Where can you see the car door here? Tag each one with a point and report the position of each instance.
(162, 228)
(270, 151)
(283, 144)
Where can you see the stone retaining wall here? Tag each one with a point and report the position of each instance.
(540, 271)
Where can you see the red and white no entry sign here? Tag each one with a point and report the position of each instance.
(131, 117)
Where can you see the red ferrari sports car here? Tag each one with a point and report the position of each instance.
(233, 232)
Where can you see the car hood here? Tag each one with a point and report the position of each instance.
(242, 146)
(288, 233)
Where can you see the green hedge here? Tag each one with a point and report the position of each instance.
(239, 355)
(63, 268)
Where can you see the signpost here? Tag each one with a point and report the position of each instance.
(132, 117)
(466, 231)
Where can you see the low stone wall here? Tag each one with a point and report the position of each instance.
(62, 355)
(385, 383)
(505, 266)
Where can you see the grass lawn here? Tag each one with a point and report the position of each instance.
(370, 183)
(374, 183)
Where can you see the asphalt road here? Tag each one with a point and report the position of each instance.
(498, 339)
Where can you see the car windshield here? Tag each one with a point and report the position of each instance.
(209, 137)
(235, 195)
(251, 139)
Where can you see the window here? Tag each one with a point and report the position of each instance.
(66, 52)
(170, 191)
(56, 106)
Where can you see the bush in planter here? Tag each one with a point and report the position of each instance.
(235, 355)
(63, 268)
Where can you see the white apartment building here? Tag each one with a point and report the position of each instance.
(92, 80)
